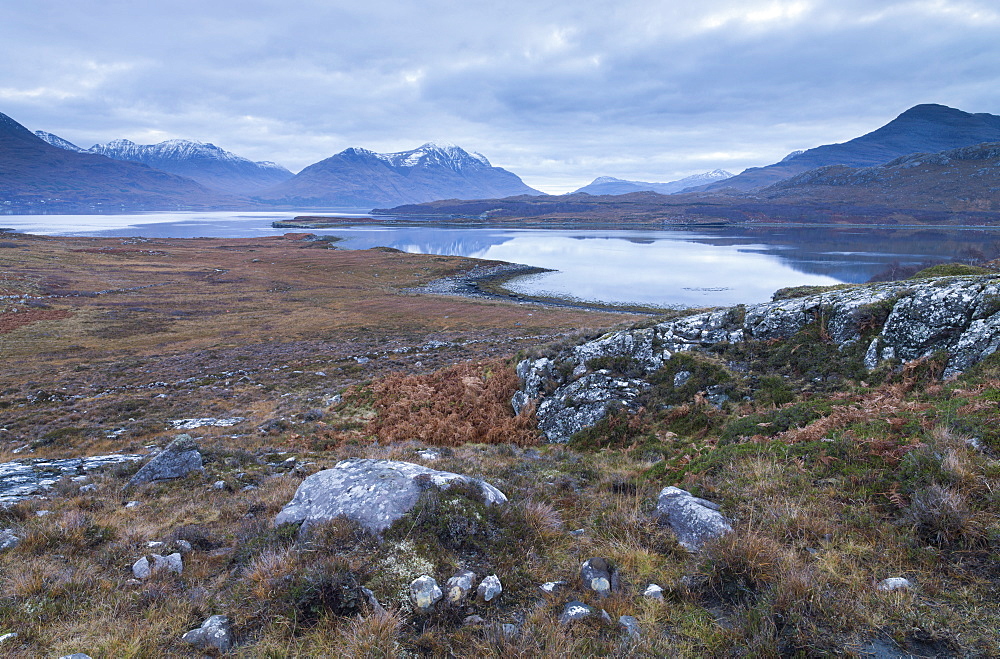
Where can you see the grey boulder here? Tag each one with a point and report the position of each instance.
(694, 521)
(215, 632)
(177, 460)
(374, 493)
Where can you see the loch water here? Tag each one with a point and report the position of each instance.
(673, 267)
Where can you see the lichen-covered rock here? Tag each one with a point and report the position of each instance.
(374, 493)
(425, 593)
(586, 401)
(177, 460)
(459, 586)
(599, 575)
(907, 320)
(574, 611)
(489, 589)
(214, 633)
(694, 521)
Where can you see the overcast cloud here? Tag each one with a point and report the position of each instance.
(558, 92)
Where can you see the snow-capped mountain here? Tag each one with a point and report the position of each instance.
(609, 185)
(206, 163)
(362, 178)
(55, 140)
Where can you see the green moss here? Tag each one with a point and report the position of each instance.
(802, 291)
(952, 270)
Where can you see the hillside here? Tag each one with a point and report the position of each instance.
(927, 128)
(36, 176)
(958, 179)
(361, 178)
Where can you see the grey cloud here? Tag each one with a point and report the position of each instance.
(559, 93)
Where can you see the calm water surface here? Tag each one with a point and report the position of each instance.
(704, 267)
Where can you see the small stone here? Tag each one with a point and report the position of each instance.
(631, 626)
(489, 589)
(600, 576)
(653, 591)
(133, 504)
(8, 539)
(219, 485)
(75, 655)
(90, 487)
(9, 636)
(574, 611)
(894, 583)
(145, 568)
(183, 546)
(42, 513)
(459, 586)
(214, 633)
(429, 454)
(425, 593)
(80, 479)
(153, 544)
(577, 533)
(473, 620)
(551, 587)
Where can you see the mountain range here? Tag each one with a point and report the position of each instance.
(363, 178)
(603, 185)
(43, 171)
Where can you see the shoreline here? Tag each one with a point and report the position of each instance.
(486, 282)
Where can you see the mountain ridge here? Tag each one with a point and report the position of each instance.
(609, 185)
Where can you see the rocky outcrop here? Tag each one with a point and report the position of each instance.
(374, 493)
(898, 320)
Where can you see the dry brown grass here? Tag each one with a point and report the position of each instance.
(465, 403)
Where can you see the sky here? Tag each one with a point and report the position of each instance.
(557, 92)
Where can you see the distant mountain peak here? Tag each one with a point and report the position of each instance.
(609, 185)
